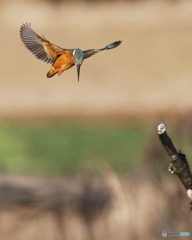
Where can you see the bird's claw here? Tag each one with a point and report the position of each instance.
(59, 71)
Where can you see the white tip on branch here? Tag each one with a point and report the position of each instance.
(161, 128)
(189, 193)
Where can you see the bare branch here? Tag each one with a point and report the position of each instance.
(179, 164)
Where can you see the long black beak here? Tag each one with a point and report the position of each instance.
(78, 70)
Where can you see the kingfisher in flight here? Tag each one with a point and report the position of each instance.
(60, 58)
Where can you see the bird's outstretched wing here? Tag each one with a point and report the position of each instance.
(39, 46)
(90, 52)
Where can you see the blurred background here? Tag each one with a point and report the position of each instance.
(83, 160)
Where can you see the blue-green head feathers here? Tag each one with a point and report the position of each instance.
(78, 56)
(78, 59)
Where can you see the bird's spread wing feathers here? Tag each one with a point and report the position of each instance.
(90, 52)
(39, 46)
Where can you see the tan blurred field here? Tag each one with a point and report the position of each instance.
(149, 73)
(138, 209)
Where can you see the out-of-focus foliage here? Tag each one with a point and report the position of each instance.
(67, 148)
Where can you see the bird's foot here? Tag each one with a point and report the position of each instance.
(59, 71)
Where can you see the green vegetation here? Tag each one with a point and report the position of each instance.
(56, 149)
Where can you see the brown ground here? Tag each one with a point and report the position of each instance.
(141, 208)
(150, 72)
